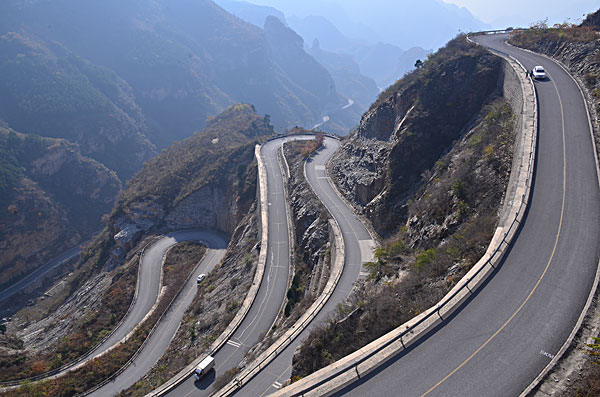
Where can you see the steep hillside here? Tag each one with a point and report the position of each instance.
(592, 20)
(410, 126)
(51, 198)
(429, 166)
(206, 181)
(48, 91)
(184, 60)
(199, 182)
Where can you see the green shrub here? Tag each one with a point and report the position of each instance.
(425, 258)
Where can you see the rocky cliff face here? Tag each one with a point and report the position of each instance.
(206, 181)
(410, 126)
(592, 20)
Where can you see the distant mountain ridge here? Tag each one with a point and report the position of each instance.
(113, 82)
(399, 22)
(184, 60)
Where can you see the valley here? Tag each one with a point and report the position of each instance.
(314, 212)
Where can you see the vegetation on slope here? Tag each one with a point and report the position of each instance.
(222, 150)
(182, 60)
(452, 218)
(48, 91)
(51, 197)
(178, 264)
(410, 126)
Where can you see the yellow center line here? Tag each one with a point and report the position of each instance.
(562, 211)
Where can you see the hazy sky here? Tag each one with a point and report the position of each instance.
(499, 14)
(519, 12)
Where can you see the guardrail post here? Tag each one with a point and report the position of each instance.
(467, 285)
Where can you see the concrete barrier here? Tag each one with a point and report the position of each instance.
(349, 369)
(337, 260)
(337, 266)
(245, 308)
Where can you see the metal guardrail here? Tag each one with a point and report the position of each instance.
(499, 250)
(86, 356)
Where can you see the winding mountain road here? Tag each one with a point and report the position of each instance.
(358, 250)
(272, 292)
(40, 272)
(159, 341)
(148, 286)
(504, 336)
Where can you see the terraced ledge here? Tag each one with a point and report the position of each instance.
(351, 368)
(245, 308)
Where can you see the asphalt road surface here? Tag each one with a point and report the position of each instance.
(271, 293)
(507, 333)
(264, 310)
(40, 272)
(159, 341)
(148, 287)
(358, 250)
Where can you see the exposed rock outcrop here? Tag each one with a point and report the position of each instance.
(409, 127)
(311, 228)
(207, 181)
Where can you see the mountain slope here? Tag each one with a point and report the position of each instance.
(48, 91)
(199, 182)
(429, 166)
(185, 60)
(51, 198)
(206, 181)
(410, 126)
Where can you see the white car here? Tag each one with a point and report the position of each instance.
(538, 73)
(201, 278)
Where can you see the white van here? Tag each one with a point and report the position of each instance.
(204, 366)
